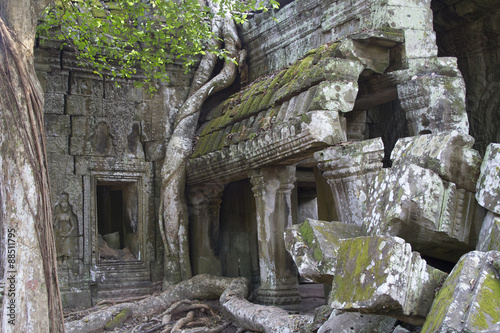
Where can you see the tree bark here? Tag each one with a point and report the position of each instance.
(31, 301)
(173, 213)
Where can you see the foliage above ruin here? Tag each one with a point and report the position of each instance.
(123, 37)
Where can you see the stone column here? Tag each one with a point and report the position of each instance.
(272, 187)
(350, 169)
(205, 203)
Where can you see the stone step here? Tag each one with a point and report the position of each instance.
(108, 285)
(121, 265)
(142, 275)
(121, 293)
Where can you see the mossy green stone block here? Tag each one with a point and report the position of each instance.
(469, 300)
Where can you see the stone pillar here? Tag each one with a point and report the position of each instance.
(205, 203)
(350, 170)
(272, 187)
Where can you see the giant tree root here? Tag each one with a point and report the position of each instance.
(231, 291)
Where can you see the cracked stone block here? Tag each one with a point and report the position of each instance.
(449, 154)
(488, 184)
(489, 237)
(433, 215)
(468, 300)
(434, 103)
(357, 322)
(382, 275)
(313, 246)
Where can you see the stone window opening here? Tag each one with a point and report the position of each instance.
(118, 238)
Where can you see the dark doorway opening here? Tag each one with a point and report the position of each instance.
(117, 221)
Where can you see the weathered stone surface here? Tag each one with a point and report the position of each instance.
(489, 237)
(204, 229)
(434, 103)
(470, 32)
(381, 275)
(53, 103)
(468, 300)
(314, 247)
(431, 214)
(272, 187)
(56, 125)
(488, 184)
(155, 151)
(281, 38)
(350, 170)
(335, 96)
(449, 154)
(294, 140)
(355, 322)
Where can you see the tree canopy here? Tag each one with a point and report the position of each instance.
(122, 36)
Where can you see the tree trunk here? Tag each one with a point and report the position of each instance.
(173, 209)
(31, 300)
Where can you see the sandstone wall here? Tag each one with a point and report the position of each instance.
(96, 132)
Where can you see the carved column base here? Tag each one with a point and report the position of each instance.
(285, 297)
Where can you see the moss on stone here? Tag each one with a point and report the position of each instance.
(488, 311)
(118, 320)
(442, 301)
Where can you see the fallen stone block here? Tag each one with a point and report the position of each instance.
(449, 154)
(381, 275)
(433, 215)
(434, 103)
(489, 237)
(488, 184)
(469, 299)
(357, 322)
(313, 246)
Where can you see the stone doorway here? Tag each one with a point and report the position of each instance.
(117, 221)
(122, 230)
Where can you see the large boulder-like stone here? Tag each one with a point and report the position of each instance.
(356, 322)
(489, 237)
(433, 215)
(381, 275)
(449, 154)
(488, 184)
(469, 298)
(314, 247)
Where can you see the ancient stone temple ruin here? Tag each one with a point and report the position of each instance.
(357, 151)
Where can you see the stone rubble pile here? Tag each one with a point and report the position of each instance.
(439, 199)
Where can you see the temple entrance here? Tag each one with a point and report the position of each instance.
(117, 221)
